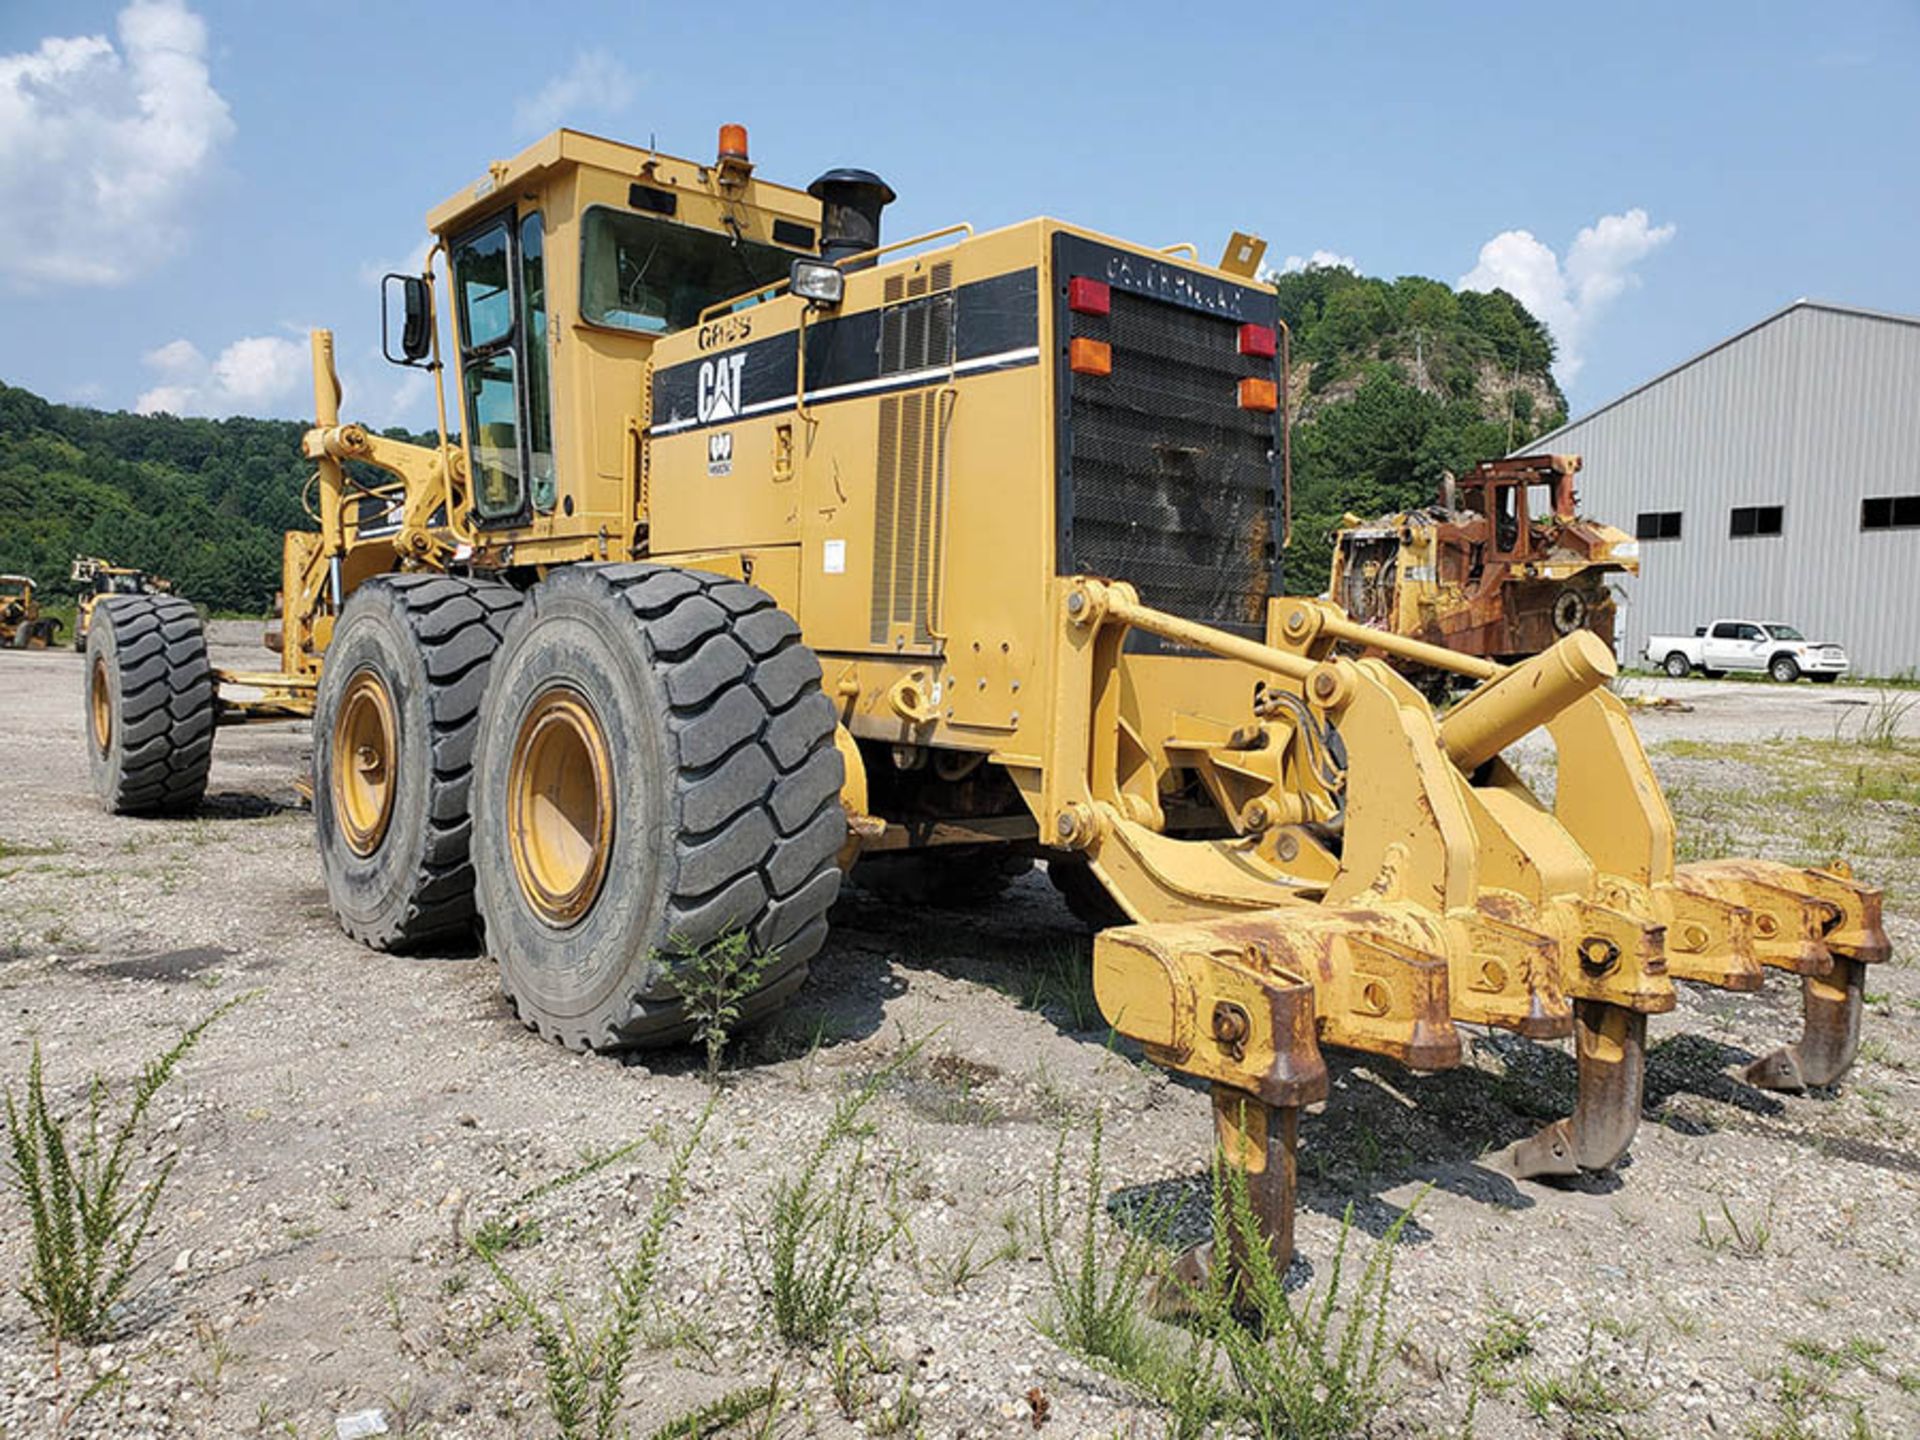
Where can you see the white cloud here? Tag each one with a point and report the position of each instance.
(1569, 298)
(1318, 260)
(176, 357)
(102, 145)
(166, 399)
(260, 368)
(250, 377)
(597, 84)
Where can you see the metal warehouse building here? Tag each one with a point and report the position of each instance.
(1775, 476)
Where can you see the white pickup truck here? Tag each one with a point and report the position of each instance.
(1780, 650)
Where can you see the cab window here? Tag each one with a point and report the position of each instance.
(653, 276)
(500, 284)
(486, 302)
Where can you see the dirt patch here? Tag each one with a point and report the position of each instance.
(169, 967)
(338, 1140)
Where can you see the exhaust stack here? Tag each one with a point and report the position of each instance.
(850, 206)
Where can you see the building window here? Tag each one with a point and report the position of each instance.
(1890, 512)
(1751, 520)
(1657, 525)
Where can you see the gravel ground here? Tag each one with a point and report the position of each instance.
(340, 1134)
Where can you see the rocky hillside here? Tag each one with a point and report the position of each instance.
(1395, 383)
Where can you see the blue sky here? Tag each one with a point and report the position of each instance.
(187, 185)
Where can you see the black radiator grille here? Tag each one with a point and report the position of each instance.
(1168, 482)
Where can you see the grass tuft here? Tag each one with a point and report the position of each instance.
(1748, 1241)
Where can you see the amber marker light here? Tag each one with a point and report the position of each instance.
(1259, 394)
(733, 142)
(1090, 357)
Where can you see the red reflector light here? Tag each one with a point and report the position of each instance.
(1087, 296)
(1258, 340)
(1258, 394)
(1090, 357)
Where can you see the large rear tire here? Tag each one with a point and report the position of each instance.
(149, 705)
(656, 771)
(393, 733)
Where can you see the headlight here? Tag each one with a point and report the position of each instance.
(818, 281)
(1625, 550)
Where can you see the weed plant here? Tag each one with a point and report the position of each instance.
(87, 1214)
(1095, 1309)
(1254, 1358)
(824, 1227)
(584, 1364)
(731, 1411)
(714, 982)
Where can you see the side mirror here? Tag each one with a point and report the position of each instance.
(416, 324)
(819, 282)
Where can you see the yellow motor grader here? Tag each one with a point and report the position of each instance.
(765, 548)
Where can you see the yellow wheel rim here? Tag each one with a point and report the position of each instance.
(100, 705)
(364, 750)
(560, 806)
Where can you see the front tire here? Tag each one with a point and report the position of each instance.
(393, 731)
(1784, 669)
(656, 772)
(149, 705)
(1678, 666)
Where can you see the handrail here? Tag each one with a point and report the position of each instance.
(909, 243)
(757, 296)
(769, 292)
(946, 399)
(1193, 251)
(439, 366)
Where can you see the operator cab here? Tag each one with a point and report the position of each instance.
(1500, 491)
(567, 263)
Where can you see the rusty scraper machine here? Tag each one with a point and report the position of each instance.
(763, 549)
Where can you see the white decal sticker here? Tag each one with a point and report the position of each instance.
(718, 395)
(834, 557)
(720, 453)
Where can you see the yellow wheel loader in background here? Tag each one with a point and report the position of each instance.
(22, 626)
(766, 547)
(97, 578)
